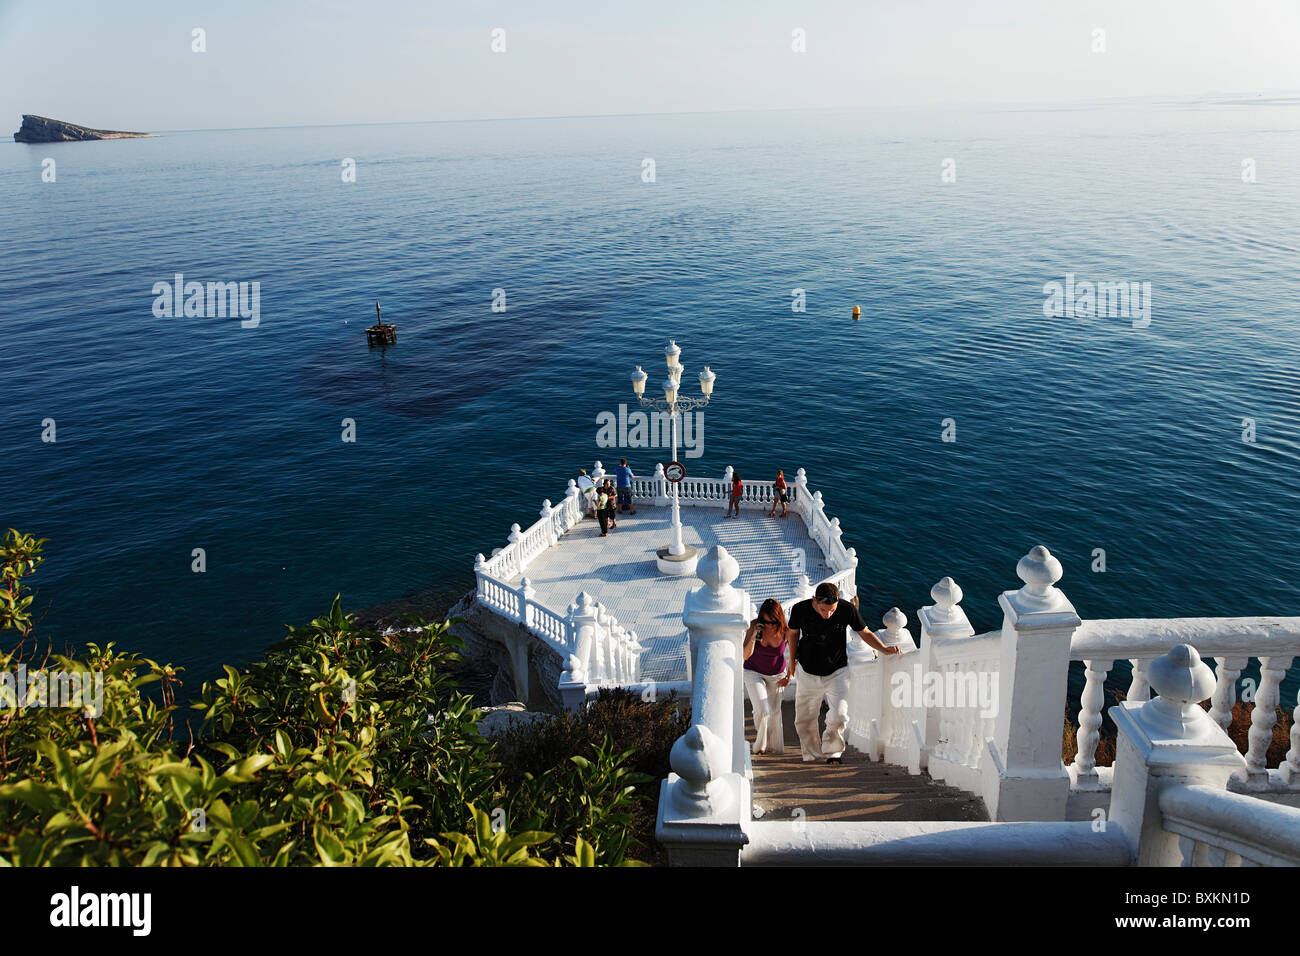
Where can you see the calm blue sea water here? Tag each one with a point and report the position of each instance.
(1077, 433)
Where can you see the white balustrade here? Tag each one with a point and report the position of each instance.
(1232, 642)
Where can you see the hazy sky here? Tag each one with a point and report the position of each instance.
(128, 64)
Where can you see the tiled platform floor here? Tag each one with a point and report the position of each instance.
(620, 571)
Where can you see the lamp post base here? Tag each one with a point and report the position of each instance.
(678, 564)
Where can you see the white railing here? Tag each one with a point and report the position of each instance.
(1221, 828)
(886, 696)
(1232, 642)
(517, 602)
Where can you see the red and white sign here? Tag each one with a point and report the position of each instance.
(674, 471)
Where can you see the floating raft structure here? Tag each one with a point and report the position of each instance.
(379, 333)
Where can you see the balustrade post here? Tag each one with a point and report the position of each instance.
(706, 800)
(1165, 742)
(598, 474)
(941, 622)
(571, 505)
(851, 592)
(479, 562)
(1084, 770)
(1026, 778)
(869, 689)
(1139, 688)
(1290, 769)
(551, 537)
(1262, 719)
(801, 498)
(661, 486)
(582, 624)
(1225, 689)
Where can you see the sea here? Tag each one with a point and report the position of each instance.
(205, 480)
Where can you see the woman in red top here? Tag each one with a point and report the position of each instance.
(765, 658)
(734, 501)
(779, 496)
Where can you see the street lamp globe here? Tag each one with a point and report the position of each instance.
(671, 353)
(706, 381)
(638, 381)
(670, 391)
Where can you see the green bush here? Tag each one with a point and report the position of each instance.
(343, 746)
(537, 770)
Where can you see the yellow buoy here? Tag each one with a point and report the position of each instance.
(857, 312)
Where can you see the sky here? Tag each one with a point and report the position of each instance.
(130, 64)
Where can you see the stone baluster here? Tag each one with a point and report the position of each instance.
(705, 801)
(1262, 719)
(851, 591)
(583, 621)
(572, 507)
(1139, 689)
(661, 486)
(527, 597)
(637, 650)
(1290, 769)
(1026, 779)
(479, 562)
(1166, 742)
(1088, 736)
(800, 501)
(836, 550)
(1225, 689)
(941, 622)
(546, 513)
(516, 550)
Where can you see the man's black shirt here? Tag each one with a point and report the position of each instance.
(822, 642)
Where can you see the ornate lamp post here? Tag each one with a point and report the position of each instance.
(677, 557)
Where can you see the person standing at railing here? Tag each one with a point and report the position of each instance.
(604, 507)
(765, 655)
(819, 657)
(587, 489)
(734, 500)
(623, 481)
(779, 495)
(611, 497)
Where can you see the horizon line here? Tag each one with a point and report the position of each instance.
(1014, 104)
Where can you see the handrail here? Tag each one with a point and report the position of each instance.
(1231, 823)
(1150, 637)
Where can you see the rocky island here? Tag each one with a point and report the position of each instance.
(42, 129)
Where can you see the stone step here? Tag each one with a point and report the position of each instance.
(785, 787)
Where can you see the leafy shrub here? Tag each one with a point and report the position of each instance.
(538, 761)
(343, 746)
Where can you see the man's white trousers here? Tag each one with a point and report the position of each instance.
(809, 694)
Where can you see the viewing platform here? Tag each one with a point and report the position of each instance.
(775, 555)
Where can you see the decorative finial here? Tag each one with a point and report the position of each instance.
(947, 595)
(718, 569)
(1040, 571)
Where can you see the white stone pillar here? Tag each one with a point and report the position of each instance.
(583, 618)
(942, 621)
(546, 514)
(705, 802)
(598, 474)
(661, 486)
(1165, 742)
(1026, 778)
